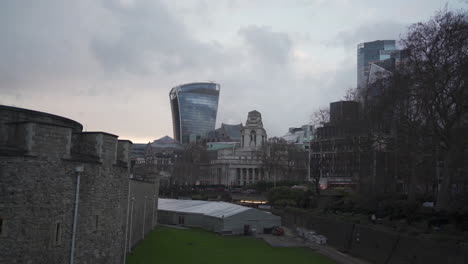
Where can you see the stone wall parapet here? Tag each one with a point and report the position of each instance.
(47, 136)
(41, 158)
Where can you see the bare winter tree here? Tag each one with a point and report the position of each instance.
(394, 122)
(297, 163)
(438, 68)
(275, 157)
(351, 94)
(422, 109)
(187, 164)
(320, 116)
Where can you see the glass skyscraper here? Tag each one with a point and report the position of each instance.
(194, 108)
(371, 52)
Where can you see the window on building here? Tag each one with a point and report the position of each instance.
(2, 229)
(58, 234)
(96, 222)
(181, 220)
(253, 138)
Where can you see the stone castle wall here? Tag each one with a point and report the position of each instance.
(39, 154)
(143, 211)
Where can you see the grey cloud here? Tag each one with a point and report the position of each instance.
(54, 39)
(148, 35)
(146, 48)
(369, 32)
(269, 46)
(40, 39)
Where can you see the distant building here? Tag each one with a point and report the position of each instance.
(253, 135)
(343, 156)
(300, 136)
(137, 153)
(240, 164)
(373, 52)
(381, 71)
(226, 133)
(194, 109)
(211, 146)
(157, 156)
(164, 144)
(344, 111)
(334, 150)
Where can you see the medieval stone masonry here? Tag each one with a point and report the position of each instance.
(42, 156)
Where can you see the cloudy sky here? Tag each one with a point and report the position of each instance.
(110, 64)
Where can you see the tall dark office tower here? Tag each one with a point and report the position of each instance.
(194, 108)
(371, 52)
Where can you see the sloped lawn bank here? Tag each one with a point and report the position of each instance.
(173, 246)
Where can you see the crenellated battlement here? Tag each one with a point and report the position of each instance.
(32, 133)
(45, 161)
(39, 139)
(124, 148)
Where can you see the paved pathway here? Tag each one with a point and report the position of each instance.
(174, 226)
(292, 240)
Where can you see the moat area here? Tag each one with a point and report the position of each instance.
(172, 245)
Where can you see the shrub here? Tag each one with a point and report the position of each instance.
(285, 202)
(285, 193)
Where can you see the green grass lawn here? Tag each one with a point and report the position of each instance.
(172, 246)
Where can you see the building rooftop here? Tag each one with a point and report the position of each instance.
(232, 131)
(209, 208)
(138, 150)
(221, 145)
(165, 142)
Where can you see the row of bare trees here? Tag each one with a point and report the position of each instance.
(421, 113)
(284, 161)
(188, 164)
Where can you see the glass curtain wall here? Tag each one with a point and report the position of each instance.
(371, 52)
(194, 109)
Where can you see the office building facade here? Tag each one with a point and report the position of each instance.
(241, 164)
(194, 108)
(372, 52)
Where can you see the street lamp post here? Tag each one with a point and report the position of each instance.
(131, 225)
(128, 217)
(152, 213)
(308, 164)
(144, 216)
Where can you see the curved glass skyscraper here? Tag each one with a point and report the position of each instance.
(194, 108)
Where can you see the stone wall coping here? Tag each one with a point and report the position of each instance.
(99, 132)
(75, 158)
(8, 151)
(38, 113)
(121, 164)
(140, 180)
(37, 122)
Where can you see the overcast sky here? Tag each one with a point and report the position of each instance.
(111, 64)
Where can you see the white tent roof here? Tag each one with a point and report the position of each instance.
(215, 209)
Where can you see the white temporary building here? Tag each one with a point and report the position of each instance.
(215, 216)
